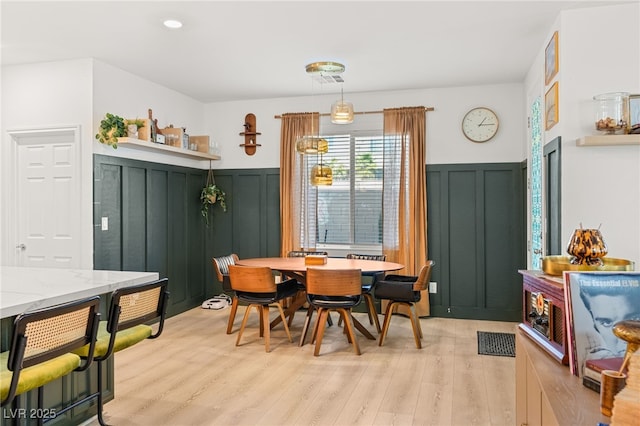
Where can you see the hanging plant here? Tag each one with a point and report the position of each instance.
(112, 127)
(210, 195)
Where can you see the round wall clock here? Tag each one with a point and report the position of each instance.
(480, 124)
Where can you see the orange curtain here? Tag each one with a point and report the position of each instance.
(293, 180)
(405, 188)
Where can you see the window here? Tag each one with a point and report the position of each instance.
(349, 212)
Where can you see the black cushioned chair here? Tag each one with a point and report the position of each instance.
(41, 350)
(131, 310)
(369, 282)
(221, 266)
(256, 286)
(404, 290)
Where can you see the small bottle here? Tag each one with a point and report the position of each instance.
(185, 138)
(153, 130)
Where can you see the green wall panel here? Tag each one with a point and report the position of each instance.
(476, 237)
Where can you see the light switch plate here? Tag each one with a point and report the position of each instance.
(105, 224)
(433, 287)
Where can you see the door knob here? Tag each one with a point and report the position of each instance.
(21, 247)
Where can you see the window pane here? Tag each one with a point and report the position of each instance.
(350, 210)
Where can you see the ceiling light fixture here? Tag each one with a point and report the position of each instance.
(341, 111)
(173, 24)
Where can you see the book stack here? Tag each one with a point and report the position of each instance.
(626, 404)
(593, 369)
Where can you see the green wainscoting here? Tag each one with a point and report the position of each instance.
(476, 236)
(155, 222)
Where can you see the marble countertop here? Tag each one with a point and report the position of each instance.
(25, 289)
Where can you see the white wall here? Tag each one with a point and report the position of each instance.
(53, 94)
(129, 96)
(600, 185)
(445, 141)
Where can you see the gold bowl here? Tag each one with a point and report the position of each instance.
(555, 265)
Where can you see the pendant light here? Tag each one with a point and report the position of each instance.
(341, 111)
(321, 175)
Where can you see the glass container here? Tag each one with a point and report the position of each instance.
(612, 113)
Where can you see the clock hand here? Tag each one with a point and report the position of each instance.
(488, 124)
(482, 122)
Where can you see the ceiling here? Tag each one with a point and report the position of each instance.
(239, 50)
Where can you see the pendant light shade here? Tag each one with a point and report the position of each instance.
(341, 111)
(321, 175)
(312, 145)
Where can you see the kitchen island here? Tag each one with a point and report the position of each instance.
(26, 289)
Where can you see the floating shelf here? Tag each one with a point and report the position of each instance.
(158, 147)
(608, 140)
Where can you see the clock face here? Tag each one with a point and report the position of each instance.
(480, 124)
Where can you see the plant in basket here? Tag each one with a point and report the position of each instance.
(112, 127)
(210, 195)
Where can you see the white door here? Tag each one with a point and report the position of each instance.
(47, 197)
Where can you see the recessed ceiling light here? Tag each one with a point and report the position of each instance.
(172, 23)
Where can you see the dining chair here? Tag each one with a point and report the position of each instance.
(256, 286)
(221, 266)
(131, 311)
(404, 290)
(369, 282)
(41, 348)
(301, 286)
(332, 290)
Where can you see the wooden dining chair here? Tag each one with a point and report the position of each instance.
(41, 351)
(256, 286)
(369, 282)
(221, 266)
(131, 311)
(333, 290)
(404, 290)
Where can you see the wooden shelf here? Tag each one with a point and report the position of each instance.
(158, 147)
(608, 140)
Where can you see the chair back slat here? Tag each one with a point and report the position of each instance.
(378, 257)
(334, 282)
(138, 304)
(221, 265)
(422, 283)
(302, 253)
(53, 331)
(252, 279)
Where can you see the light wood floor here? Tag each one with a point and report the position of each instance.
(195, 375)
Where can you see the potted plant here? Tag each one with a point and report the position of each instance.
(133, 125)
(112, 127)
(210, 195)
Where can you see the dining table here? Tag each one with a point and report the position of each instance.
(296, 267)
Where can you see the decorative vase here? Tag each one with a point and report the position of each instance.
(587, 247)
(132, 131)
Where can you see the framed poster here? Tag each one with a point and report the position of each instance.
(594, 303)
(551, 107)
(551, 59)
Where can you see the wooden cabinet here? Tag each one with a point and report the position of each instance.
(547, 393)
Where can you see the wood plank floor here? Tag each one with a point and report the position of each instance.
(195, 375)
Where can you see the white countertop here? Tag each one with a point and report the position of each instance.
(25, 289)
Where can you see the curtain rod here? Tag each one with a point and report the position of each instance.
(326, 114)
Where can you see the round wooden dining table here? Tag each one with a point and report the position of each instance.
(296, 267)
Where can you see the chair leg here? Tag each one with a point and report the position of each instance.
(320, 323)
(413, 316)
(387, 320)
(284, 321)
(371, 307)
(232, 313)
(307, 322)
(244, 322)
(264, 325)
(415, 312)
(346, 314)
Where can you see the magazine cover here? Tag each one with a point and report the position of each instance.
(596, 302)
